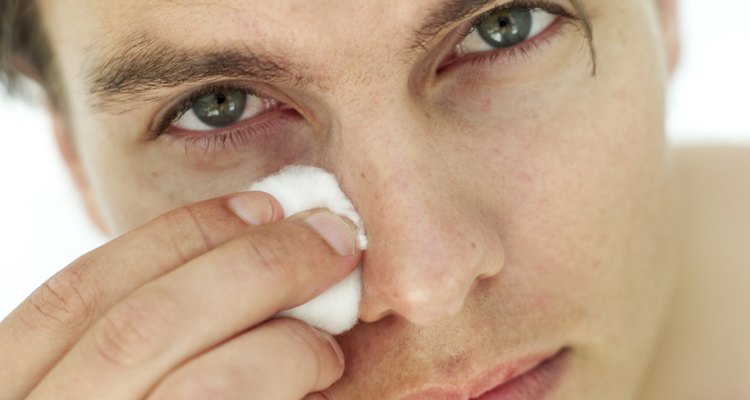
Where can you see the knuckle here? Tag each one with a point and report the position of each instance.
(68, 299)
(184, 232)
(268, 254)
(132, 332)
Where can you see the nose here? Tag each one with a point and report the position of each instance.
(429, 244)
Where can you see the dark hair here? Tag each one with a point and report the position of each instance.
(25, 50)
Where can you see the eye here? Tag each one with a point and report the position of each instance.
(219, 108)
(505, 27)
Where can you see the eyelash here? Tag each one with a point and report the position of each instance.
(184, 105)
(231, 138)
(524, 50)
(234, 137)
(242, 135)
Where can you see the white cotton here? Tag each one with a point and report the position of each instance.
(300, 188)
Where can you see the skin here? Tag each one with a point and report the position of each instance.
(512, 208)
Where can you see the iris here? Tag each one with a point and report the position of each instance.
(505, 27)
(222, 108)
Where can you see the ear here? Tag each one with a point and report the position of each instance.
(670, 29)
(64, 140)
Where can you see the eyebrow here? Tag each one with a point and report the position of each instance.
(448, 13)
(143, 64)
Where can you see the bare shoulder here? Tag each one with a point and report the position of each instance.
(719, 167)
(711, 315)
(715, 190)
(716, 184)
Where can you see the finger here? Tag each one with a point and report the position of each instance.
(43, 328)
(216, 296)
(281, 359)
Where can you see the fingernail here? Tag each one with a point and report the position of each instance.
(253, 209)
(334, 230)
(334, 344)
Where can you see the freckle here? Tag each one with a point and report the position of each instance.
(526, 177)
(473, 245)
(485, 105)
(154, 174)
(362, 175)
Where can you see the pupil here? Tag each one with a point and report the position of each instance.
(220, 109)
(505, 27)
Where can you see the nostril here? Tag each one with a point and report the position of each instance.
(484, 277)
(427, 251)
(421, 289)
(368, 314)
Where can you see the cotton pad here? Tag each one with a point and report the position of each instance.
(300, 188)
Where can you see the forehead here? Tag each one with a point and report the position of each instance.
(324, 39)
(332, 26)
(202, 22)
(313, 31)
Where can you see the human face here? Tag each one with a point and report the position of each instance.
(513, 199)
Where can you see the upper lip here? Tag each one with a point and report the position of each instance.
(486, 381)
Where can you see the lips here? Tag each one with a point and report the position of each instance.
(528, 378)
(534, 384)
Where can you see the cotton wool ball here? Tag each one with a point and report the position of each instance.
(300, 188)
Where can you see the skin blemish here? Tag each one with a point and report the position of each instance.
(485, 105)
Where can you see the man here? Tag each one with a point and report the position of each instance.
(531, 233)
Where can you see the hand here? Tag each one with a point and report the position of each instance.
(179, 309)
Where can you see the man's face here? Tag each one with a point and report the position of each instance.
(513, 199)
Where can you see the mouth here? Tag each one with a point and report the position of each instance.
(530, 378)
(534, 384)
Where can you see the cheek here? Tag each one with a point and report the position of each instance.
(129, 190)
(136, 179)
(571, 178)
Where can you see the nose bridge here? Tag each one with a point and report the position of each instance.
(425, 250)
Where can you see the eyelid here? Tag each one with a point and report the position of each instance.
(183, 103)
(253, 108)
(267, 132)
(562, 14)
(550, 6)
(541, 20)
(462, 28)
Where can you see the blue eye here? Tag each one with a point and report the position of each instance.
(505, 27)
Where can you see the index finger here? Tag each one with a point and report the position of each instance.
(42, 329)
(213, 298)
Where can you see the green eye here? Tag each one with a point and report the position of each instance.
(222, 108)
(505, 27)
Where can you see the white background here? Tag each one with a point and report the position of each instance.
(43, 226)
